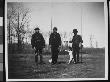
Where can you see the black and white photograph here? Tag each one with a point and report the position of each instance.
(1, 40)
(56, 40)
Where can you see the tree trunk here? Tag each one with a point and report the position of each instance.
(18, 32)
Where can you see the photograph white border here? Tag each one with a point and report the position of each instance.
(65, 79)
(1, 25)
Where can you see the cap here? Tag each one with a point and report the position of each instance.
(37, 28)
(55, 28)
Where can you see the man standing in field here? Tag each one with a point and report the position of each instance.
(55, 43)
(76, 45)
(38, 43)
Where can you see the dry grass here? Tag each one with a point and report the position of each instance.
(1, 67)
(23, 66)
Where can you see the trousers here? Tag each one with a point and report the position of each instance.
(38, 52)
(55, 52)
(76, 54)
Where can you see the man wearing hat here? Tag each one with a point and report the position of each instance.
(38, 43)
(76, 45)
(55, 43)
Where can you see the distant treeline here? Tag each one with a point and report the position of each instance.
(93, 50)
(27, 49)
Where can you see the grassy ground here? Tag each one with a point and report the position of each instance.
(22, 66)
(1, 76)
(1, 67)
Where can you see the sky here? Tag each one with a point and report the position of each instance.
(69, 15)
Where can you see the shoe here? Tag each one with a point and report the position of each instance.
(75, 62)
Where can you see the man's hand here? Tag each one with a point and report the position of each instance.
(80, 45)
(33, 48)
(59, 46)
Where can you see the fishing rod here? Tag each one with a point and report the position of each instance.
(81, 31)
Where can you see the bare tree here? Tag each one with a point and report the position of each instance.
(10, 22)
(63, 39)
(18, 17)
(91, 41)
(96, 44)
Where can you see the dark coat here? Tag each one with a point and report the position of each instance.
(55, 39)
(76, 40)
(37, 41)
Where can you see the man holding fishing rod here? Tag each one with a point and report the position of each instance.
(76, 46)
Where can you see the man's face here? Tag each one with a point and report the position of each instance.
(75, 33)
(36, 30)
(54, 30)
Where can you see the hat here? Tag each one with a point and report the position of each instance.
(37, 28)
(75, 30)
(55, 28)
